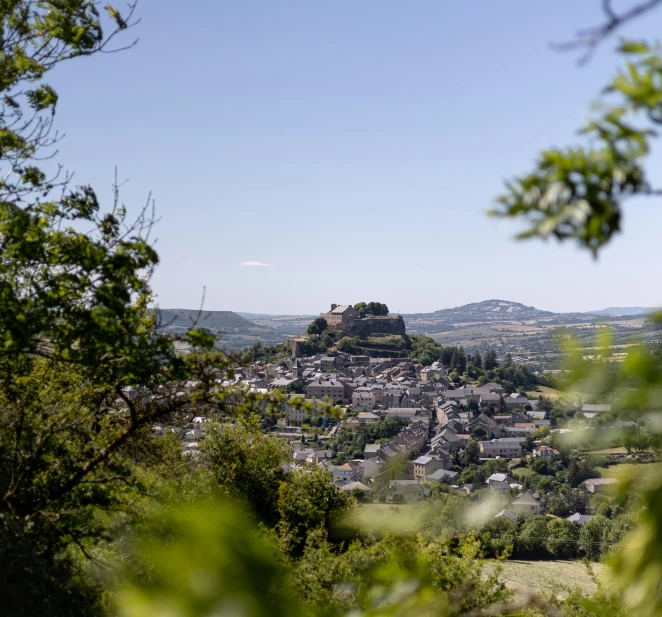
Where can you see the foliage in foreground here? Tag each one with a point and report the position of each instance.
(85, 372)
(206, 558)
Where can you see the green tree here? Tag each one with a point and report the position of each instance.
(317, 327)
(533, 535)
(348, 344)
(461, 361)
(479, 432)
(621, 527)
(490, 360)
(308, 501)
(362, 309)
(594, 537)
(541, 465)
(477, 360)
(559, 506)
(574, 474)
(471, 453)
(85, 369)
(36, 581)
(247, 466)
(397, 497)
(562, 539)
(545, 404)
(498, 537)
(376, 309)
(360, 495)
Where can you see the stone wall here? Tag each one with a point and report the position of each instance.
(377, 325)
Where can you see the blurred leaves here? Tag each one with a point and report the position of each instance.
(202, 560)
(634, 386)
(205, 558)
(577, 193)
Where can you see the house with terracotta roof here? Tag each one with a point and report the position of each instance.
(342, 474)
(546, 452)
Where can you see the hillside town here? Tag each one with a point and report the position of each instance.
(195, 421)
(430, 433)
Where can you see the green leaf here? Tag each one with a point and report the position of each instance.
(634, 47)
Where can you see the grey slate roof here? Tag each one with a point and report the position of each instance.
(580, 519)
(507, 515)
(440, 474)
(601, 481)
(405, 486)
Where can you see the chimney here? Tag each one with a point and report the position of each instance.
(334, 307)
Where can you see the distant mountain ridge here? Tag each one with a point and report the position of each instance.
(236, 332)
(488, 321)
(212, 320)
(527, 333)
(488, 310)
(485, 312)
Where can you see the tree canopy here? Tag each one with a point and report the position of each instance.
(317, 327)
(371, 309)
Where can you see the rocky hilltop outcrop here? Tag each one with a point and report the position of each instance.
(376, 325)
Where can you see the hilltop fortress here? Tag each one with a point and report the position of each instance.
(345, 319)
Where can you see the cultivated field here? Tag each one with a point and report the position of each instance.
(605, 451)
(524, 577)
(545, 391)
(463, 334)
(556, 394)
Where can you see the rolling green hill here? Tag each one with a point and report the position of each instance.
(486, 312)
(234, 331)
(527, 332)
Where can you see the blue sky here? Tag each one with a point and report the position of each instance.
(355, 146)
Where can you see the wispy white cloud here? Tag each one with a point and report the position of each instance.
(255, 264)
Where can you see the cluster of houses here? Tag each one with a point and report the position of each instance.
(440, 422)
(377, 387)
(529, 502)
(381, 462)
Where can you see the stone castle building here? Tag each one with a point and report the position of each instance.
(341, 317)
(345, 318)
